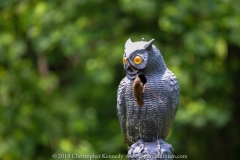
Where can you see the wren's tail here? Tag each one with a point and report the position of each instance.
(140, 102)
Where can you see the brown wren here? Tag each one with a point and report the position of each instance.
(138, 89)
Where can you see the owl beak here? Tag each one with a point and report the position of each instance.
(131, 71)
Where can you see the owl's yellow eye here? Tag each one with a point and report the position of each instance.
(137, 60)
(124, 60)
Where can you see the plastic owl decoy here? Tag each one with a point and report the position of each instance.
(148, 96)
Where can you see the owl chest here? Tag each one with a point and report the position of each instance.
(153, 95)
(149, 120)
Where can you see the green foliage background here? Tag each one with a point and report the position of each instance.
(61, 63)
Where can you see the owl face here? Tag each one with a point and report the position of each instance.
(135, 57)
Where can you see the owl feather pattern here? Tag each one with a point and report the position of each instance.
(141, 113)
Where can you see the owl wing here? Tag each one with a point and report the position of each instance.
(121, 109)
(174, 92)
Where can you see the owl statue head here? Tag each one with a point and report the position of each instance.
(142, 58)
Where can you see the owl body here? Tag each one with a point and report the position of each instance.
(155, 118)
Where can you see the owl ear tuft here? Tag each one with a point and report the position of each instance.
(148, 46)
(128, 43)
